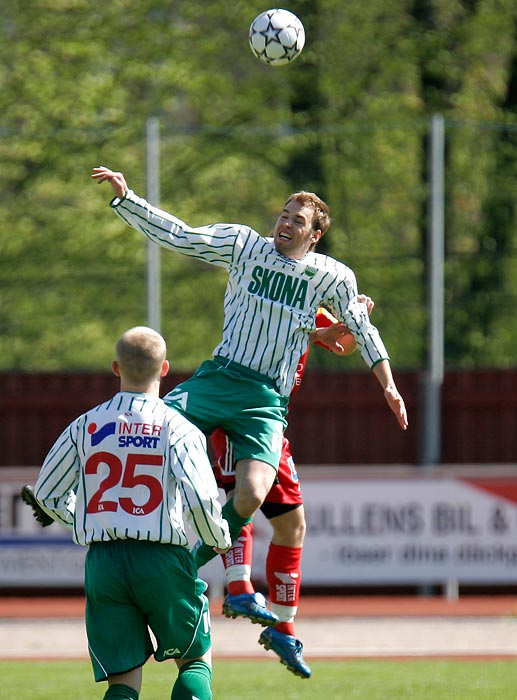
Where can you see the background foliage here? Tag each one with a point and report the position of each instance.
(349, 119)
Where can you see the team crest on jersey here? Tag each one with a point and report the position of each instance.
(310, 271)
(99, 434)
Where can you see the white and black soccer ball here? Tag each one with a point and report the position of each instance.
(277, 37)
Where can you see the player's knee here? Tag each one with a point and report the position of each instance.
(300, 530)
(120, 691)
(248, 502)
(289, 529)
(291, 538)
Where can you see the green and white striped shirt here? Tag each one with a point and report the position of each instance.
(270, 300)
(129, 469)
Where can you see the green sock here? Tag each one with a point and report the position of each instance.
(204, 553)
(235, 521)
(193, 681)
(119, 691)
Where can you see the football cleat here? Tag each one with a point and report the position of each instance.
(28, 497)
(251, 606)
(288, 648)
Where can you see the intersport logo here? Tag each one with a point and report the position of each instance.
(99, 434)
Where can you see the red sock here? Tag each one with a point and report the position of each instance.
(283, 573)
(237, 563)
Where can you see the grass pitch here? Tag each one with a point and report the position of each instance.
(257, 680)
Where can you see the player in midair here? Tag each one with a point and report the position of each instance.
(121, 476)
(283, 507)
(275, 287)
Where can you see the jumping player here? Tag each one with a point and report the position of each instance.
(120, 477)
(275, 287)
(283, 507)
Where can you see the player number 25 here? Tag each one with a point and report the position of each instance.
(126, 476)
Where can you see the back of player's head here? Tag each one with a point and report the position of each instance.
(140, 354)
(321, 217)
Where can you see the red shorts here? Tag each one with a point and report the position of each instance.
(285, 490)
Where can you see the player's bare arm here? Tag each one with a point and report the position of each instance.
(382, 371)
(116, 180)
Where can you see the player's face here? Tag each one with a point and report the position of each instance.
(293, 234)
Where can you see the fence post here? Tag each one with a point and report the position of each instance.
(153, 286)
(431, 434)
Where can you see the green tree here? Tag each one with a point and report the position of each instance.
(348, 119)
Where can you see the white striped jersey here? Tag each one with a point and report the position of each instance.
(132, 468)
(270, 300)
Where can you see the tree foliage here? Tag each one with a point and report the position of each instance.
(349, 119)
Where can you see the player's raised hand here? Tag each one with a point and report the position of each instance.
(116, 180)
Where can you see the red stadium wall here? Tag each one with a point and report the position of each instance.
(336, 418)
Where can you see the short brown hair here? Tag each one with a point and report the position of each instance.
(321, 219)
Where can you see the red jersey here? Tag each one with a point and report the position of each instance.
(324, 319)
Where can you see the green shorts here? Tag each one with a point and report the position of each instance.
(130, 585)
(246, 404)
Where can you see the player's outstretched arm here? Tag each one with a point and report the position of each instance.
(382, 371)
(116, 180)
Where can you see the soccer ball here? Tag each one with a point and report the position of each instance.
(276, 37)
